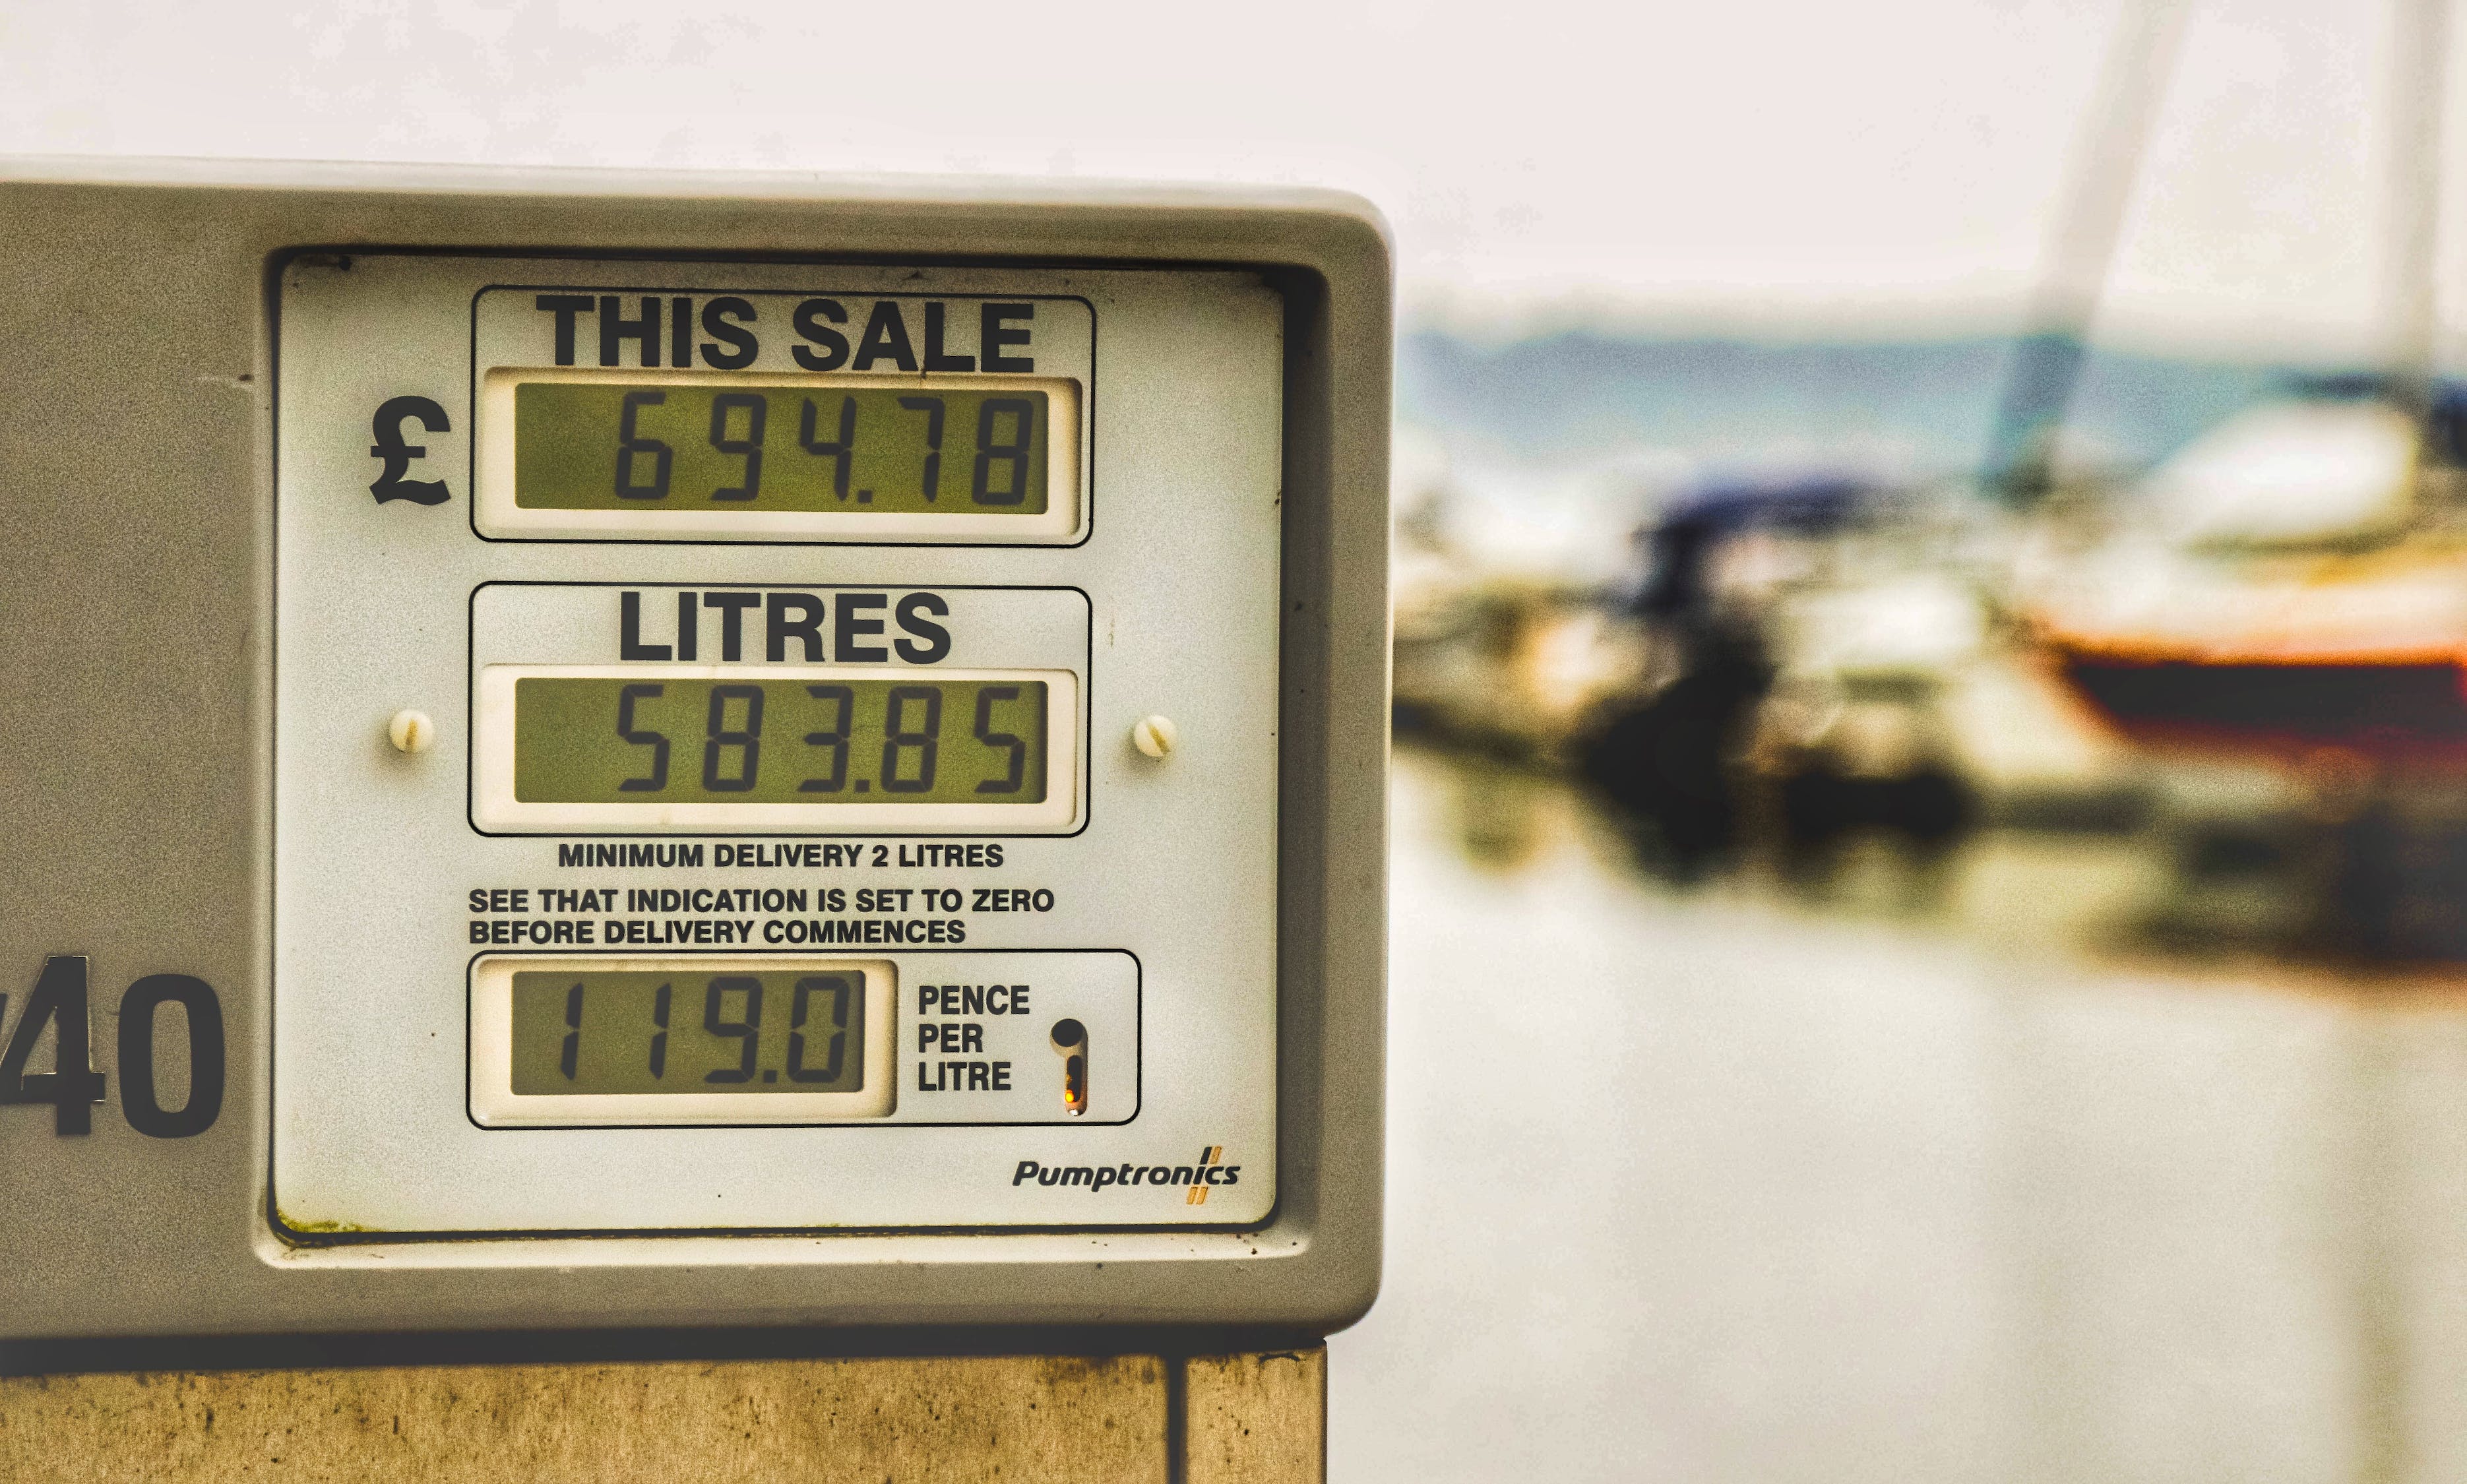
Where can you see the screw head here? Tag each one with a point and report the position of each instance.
(1153, 736)
(411, 731)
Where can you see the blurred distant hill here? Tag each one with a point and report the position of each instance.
(1921, 406)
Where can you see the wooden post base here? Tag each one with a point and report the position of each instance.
(1244, 1419)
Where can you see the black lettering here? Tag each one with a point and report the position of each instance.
(565, 307)
(615, 329)
(395, 455)
(632, 445)
(72, 1086)
(689, 605)
(1015, 751)
(569, 1055)
(835, 738)
(886, 334)
(630, 631)
(993, 336)
(660, 1000)
(630, 855)
(932, 642)
(837, 452)
(929, 475)
(836, 1045)
(680, 332)
(732, 608)
(737, 346)
(657, 779)
(851, 627)
(992, 450)
(808, 321)
(756, 409)
(747, 1032)
(797, 615)
(936, 358)
(926, 739)
(719, 737)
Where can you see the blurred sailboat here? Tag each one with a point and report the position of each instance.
(2278, 617)
(2290, 590)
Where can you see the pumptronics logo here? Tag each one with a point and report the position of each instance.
(1210, 1170)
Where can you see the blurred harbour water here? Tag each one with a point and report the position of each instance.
(1910, 1173)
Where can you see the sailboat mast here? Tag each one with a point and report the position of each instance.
(2081, 244)
(2420, 52)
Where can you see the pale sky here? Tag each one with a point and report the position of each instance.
(1776, 165)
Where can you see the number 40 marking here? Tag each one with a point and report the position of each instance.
(72, 1087)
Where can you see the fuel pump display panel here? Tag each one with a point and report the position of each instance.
(653, 753)
(783, 860)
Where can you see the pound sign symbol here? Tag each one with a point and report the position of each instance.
(398, 455)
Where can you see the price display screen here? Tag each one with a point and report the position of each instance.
(602, 739)
(702, 446)
(635, 1031)
(652, 1040)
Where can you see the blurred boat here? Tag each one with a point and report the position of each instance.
(1679, 746)
(1508, 667)
(2290, 593)
(2277, 620)
(1823, 660)
(1497, 652)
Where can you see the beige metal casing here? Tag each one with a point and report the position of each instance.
(138, 750)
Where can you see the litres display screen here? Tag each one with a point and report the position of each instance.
(700, 448)
(630, 1031)
(602, 739)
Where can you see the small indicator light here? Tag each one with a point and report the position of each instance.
(1071, 1043)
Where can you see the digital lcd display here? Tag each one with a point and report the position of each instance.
(628, 1031)
(700, 448)
(617, 739)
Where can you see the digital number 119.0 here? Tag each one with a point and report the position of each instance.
(631, 1031)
